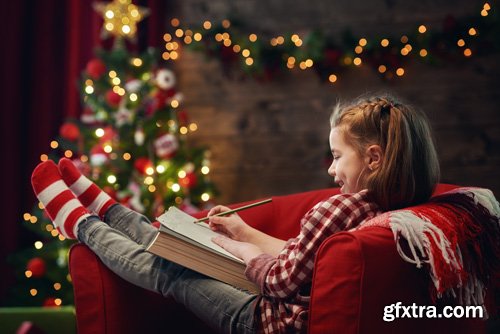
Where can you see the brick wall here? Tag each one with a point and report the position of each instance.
(271, 138)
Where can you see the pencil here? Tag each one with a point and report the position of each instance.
(236, 210)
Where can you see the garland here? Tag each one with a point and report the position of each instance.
(268, 57)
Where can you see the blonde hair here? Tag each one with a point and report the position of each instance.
(409, 170)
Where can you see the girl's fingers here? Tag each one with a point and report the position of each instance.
(217, 209)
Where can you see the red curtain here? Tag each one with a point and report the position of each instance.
(46, 45)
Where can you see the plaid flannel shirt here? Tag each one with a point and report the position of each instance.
(285, 280)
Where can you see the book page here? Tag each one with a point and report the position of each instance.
(182, 223)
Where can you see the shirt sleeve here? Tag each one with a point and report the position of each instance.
(283, 276)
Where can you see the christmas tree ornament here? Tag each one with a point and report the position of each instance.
(88, 116)
(135, 200)
(189, 181)
(133, 86)
(142, 165)
(109, 135)
(166, 146)
(113, 99)
(120, 17)
(69, 131)
(139, 136)
(95, 68)
(123, 116)
(183, 117)
(162, 98)
(165, 79)
(98, 156)
(37, 267)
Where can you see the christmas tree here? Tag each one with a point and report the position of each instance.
(132, 140)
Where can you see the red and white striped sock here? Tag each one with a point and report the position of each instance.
(65, 211)
(91, 196)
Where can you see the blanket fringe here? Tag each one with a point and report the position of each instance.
(457, 235)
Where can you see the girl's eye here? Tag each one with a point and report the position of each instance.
(336, 157)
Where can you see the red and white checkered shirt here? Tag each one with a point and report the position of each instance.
(285, 280)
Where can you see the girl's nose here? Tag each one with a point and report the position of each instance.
(331, 170)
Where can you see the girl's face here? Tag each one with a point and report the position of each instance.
(347, 166)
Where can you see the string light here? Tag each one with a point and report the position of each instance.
(160, 169)
(205, 170)
(289, 60)
(175, 22)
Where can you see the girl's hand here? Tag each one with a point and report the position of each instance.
(232, 225)
(243, 250)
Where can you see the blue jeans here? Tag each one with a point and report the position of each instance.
(121, 244)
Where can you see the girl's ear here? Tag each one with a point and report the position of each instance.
(374, 155)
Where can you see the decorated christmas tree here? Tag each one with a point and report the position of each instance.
(132, 140)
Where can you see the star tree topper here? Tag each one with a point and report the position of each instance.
(120, 17)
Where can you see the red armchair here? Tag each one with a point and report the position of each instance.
(356, 275)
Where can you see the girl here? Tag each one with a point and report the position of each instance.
(383, 159)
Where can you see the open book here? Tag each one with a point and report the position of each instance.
(189, 244)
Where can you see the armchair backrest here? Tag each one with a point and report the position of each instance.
(358, 275)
